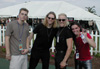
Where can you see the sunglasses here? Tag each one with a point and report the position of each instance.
(61, 20)
(51, 18)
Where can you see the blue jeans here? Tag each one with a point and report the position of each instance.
(83, 64)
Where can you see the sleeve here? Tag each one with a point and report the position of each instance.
(89, 36)
(28, 31)
(68, 33)
(9, 30)
(36, 29)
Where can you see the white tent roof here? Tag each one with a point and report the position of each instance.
(38, 9)
(41, 8)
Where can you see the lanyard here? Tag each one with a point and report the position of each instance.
(58, 34)
(20, 33)
(48, 34)
(60, 31)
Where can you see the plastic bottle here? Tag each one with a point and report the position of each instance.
(83, 38)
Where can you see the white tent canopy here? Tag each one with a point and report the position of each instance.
(41, 8)
(38, 9)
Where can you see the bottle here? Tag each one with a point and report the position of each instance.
(83, 38)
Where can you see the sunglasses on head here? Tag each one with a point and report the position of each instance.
(51, 18)
(61, 19)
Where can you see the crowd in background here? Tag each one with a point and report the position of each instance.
(33, 22)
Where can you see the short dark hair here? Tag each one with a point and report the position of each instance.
(75, 23)
(24, 9)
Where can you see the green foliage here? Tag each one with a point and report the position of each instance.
(72, 54)
(91, 9)
(3, 49)
(97, 55)
(52, 55)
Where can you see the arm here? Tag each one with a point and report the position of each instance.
(91, 42)
(68, 52)
(29, 39)
(27, 43)
(8, 55)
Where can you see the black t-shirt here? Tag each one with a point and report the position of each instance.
(44, 37)
(64, 33)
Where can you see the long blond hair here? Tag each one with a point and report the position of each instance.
(63, 14)
(45, 20)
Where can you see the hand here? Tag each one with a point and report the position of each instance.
(8, 57)
(24, 51)
(63, 64)
(84, 32)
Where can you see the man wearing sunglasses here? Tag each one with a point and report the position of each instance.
(63, 42)
(15, 41)
(45, 34)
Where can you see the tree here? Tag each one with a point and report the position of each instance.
(91, 9)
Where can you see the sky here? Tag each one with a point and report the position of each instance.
(79, 3)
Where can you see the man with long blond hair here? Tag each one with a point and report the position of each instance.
(45, 33)
(63, 42)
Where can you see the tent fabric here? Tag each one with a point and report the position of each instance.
(39, 9)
